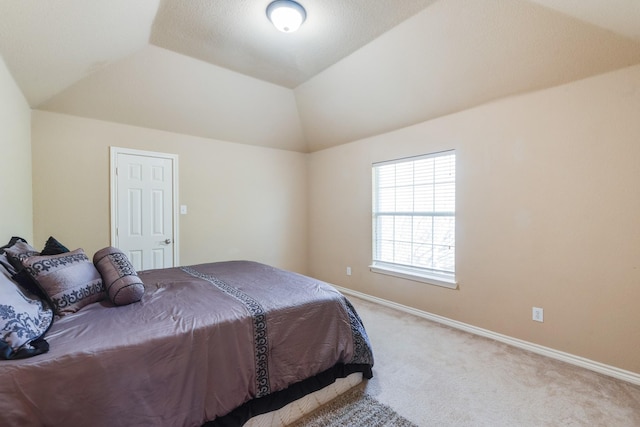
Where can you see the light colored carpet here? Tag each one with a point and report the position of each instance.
(435, 375)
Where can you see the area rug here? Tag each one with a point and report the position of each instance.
(354, 409)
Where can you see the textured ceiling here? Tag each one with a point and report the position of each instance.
(236, 34)
(218, 69)
(618, 16)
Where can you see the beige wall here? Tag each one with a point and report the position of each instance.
(548, 215)
(244, 202)
(548, 207)
(15, 160)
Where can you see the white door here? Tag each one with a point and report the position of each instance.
(143, 218)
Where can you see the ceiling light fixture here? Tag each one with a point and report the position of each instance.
(286, 15)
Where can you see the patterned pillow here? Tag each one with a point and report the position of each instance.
(70, 280)
(20, 251)
(17, 253)
(4, 263)
(120, 279)
(24, 319)
(12, 242)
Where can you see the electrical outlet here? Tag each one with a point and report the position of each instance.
(348, 271)
(538, 314)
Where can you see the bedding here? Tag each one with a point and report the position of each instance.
(53, 247)
(24, 319)
(121, 282)
(16, 251)
(213, 343)
(69, 280)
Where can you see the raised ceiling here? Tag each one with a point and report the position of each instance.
(356, 68)
(236, 34)
(52, 44)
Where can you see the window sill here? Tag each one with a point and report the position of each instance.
(417, 276)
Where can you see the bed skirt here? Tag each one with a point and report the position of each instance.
(279, 399)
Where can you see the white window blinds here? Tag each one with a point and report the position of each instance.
(414, 215)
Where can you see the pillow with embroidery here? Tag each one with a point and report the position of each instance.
(16, 253)
(12, 242)
(20, 251)
(4, 263)
(24, 319)
(120, 279)
(70, 280)
(4, 260)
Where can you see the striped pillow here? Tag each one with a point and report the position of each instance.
(120, 279)
(70, 280)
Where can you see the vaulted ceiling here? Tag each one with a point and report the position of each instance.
(218, 69)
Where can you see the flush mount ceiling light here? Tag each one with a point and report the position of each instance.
(286, 15)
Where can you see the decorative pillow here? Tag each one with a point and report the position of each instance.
(16, 253)
(4, 263)
(24, 319)
(19, 252)
(24, 279)
(70, 280)
(120, 279)
(12, 242)
(53, 247)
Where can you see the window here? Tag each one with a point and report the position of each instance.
(414, 218)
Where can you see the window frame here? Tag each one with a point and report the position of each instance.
(413, 272)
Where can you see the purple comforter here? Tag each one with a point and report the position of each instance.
(203, 341)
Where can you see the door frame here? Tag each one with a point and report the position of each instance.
(113, 191)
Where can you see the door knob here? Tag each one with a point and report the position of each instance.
(167, 241)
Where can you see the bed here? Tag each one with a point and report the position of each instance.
(211, 344)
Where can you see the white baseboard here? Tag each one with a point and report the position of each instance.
(592, 365)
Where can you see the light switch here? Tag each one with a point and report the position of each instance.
(183, 209)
